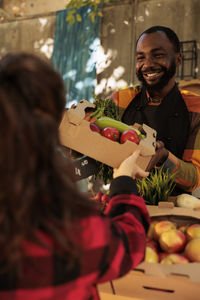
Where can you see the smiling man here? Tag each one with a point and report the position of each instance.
(157, 59)
(158, 102)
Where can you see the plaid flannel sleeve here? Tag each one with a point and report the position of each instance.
(117, 239)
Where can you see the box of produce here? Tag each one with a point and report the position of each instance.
(106, 140)
(171, 268)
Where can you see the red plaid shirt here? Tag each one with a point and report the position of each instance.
(112, 244)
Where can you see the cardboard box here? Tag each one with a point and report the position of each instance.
(75, 133)
(156, 281)
(104, 296)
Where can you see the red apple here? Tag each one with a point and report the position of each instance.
(193, 231)
(153, 244)
(151, 255)
(192, 250)
(151, 229)
(183, 228)
(161, 227)
(162, 255)
(172, 241)
(174, 258)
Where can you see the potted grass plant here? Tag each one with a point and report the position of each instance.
(157, 187)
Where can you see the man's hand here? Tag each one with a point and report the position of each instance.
(159, 157)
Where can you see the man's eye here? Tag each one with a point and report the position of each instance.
(140, 58)
(158, 55)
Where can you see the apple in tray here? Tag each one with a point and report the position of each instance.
(153, 244)
(183, 228)
(174, 258)
(172, 241)
(151, 255)
(192, 250)
(151, 229)
(152, 250)
(161, 227)
(193, 231)
(162, 255)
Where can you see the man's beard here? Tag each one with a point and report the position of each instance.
(168, 74)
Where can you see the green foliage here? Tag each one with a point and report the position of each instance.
(106, 107)
(96, 9)
(157, 187)
(105, 173)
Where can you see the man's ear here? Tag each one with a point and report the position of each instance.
(178, 59)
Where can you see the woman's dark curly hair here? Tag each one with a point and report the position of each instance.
(36, 187)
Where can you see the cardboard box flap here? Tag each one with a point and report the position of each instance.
(139, 286)
(190, 270)
(156, 211)
(77, 112)
(148, 145)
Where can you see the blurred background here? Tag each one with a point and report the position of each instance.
(92, 43)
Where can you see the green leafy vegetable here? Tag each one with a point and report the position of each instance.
(107, 107)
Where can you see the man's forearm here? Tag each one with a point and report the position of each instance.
(186, 172)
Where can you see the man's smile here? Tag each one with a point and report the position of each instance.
(151, 76)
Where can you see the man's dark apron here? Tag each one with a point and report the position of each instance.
(170, 119)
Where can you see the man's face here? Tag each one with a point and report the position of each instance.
(156, 60)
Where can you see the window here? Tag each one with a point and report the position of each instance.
(188, 68)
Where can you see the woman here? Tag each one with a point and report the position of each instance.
(55, 243)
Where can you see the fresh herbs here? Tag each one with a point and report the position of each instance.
(157, 187)
(106, 107)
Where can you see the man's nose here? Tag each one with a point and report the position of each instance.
(148, 62)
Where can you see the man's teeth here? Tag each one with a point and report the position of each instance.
(152, 74)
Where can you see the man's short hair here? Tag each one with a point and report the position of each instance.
(169, 33)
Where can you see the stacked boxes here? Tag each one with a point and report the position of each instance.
(159, 281)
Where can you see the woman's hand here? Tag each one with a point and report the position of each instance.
(129, 167)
